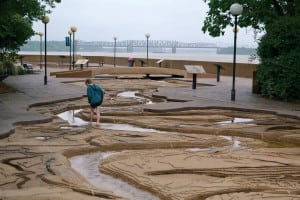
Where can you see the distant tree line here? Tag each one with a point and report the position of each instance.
(51, 46)
(239, 50)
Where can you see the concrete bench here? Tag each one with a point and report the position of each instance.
(28, 68)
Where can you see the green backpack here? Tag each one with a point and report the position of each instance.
(95, 94)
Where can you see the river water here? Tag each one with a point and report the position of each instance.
(185, 54)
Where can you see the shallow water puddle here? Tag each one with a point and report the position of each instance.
(127, 127)
(131, 94)
(234, 146)
(87, 166)
(236, 120)
(235, 143)
(69, 116)
(42, 138)
(65, 127)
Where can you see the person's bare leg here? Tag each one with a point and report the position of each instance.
(91, 115)
(98, 115)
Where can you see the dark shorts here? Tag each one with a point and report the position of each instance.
(96, 105)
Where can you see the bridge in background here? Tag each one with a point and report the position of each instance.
(131, 44)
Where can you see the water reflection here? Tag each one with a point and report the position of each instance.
(87, 166)
(131, 94)
(127, 127)
(235, 145)
(235, 142)
(42, 138)
(69, 116)
(236, 120)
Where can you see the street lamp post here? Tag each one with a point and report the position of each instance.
(70, 57)
(41, 47)
(73, 29)
(147, 36)
(115, 46)
(45, 20)
(235, 9)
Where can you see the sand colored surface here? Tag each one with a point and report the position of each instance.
(180, 174)
(203, 153)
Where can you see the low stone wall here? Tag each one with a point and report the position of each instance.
(242, 69)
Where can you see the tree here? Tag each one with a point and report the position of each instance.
(256, 14)
(16, 18)
(279, 71)
(278, 49)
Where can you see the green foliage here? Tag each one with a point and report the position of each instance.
(7, 59)
(20, 70)
(7, 68)
(278, 73)
(279, 78)
(3, 69)
(13, 69)
(14, 31)
(16, 18)
(256, 14)
(51, 46)
(282, 37)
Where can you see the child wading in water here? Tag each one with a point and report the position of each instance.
(95, 97)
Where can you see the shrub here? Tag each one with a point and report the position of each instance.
(2, 68)
(280, 77)
(20, 70)
(279, 50)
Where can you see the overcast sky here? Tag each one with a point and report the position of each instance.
(100, 20)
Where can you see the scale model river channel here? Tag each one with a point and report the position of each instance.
(151, 147)
(88, 165)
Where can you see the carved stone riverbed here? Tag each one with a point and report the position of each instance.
(135, 154)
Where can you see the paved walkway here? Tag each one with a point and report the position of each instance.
(219, 95)
(31, 90)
